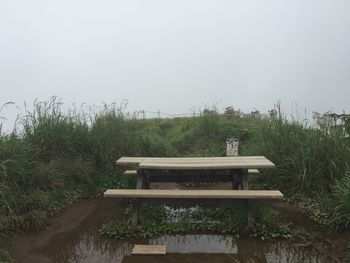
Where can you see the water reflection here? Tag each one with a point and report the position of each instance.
(197, 243)
(279, 252)
(93, 248)
(90, 248)
(84, 244)
(272, 251)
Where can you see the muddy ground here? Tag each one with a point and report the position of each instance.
(73, 237)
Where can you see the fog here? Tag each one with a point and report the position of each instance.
(176, 56)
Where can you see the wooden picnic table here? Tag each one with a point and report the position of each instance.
(193, 169)
(201, 169)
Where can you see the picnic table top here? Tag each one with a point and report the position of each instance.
(198, 163)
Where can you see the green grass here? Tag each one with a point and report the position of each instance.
(5, 257)
(340, 219)
(55, 158)
(156, 220)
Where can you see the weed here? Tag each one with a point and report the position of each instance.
(158, 220)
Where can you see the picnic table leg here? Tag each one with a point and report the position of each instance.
(244, 175)
(249, 205)
(146, 179)
(233, 179)
(135, 212)
(140, 180)
(136, 202)
(141, 183)
(237, 179)
(250, 216)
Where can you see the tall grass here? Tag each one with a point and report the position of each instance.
(309, 159)
(341, 213)
(56, 158)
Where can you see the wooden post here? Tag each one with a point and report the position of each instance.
(237, 179)
(146, 179)
(135, 212)
(250, 216)
(235, 182)
(244, 176)
(139, 182)
(249, 205)
(135, 202)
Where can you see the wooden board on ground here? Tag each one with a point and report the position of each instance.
(194, 194)
(149, 250)
(177, 257)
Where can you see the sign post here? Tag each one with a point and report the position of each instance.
(232, 146)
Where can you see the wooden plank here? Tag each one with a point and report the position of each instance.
(129, 160)
(203, 159)
(135, 212)
(149, 250)
(185, 258)
(236, 164)
(137, 160)
(196, 194)
(130, 172)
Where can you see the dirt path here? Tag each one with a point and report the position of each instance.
(25, 247)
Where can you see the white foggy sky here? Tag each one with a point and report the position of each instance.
(175, 55)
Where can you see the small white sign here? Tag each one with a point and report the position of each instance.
(232, 147)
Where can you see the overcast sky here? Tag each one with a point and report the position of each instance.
(176, 55)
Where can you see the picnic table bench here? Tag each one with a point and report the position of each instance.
(193, 169)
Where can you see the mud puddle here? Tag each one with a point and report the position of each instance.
(74, 237)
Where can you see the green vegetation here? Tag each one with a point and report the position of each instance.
(54, 158)
(312, 166)
(341, 212)
(5, 257)
(157, 220)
